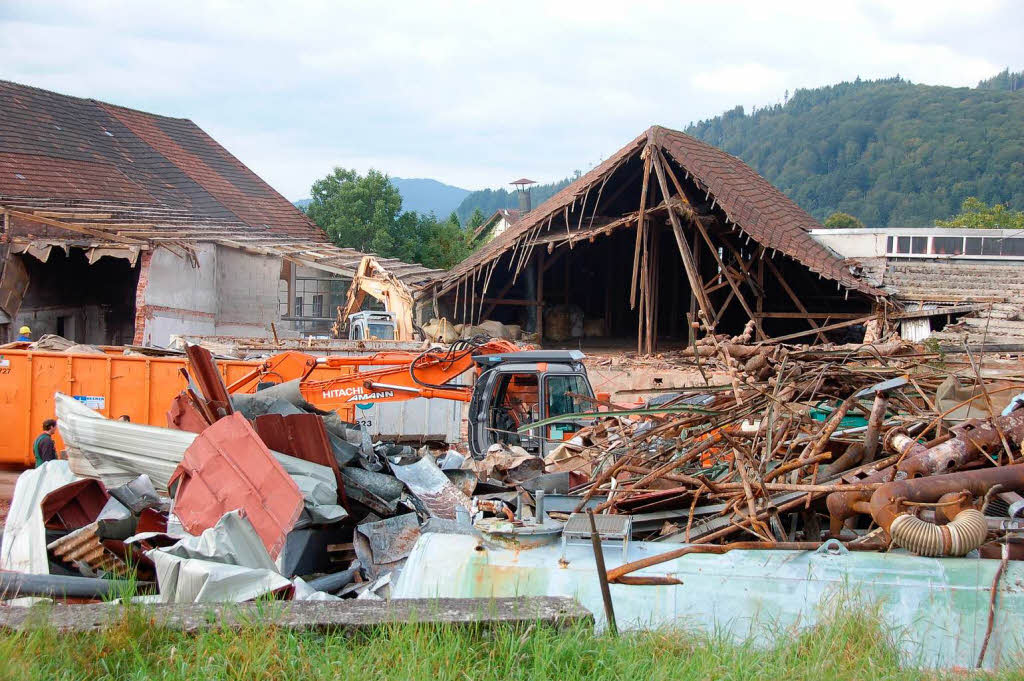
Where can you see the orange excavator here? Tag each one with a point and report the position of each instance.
(512, 388)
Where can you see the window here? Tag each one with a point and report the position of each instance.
(298, 306)
(948, 245)
(282, 296)
(514, 404)
(972, 245)
(318, 305)
(382, 331)
(888, 245)
(990, 246)
(919, 245)
(1013, 247)
(903, 245)
(559, 399)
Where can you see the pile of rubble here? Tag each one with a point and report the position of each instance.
(877, 446)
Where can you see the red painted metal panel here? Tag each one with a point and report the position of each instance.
(302, 436)
(229, 467)
(74, 505)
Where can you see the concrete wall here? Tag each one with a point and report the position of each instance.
(246, 292)
(175, 296)
(853, 243)
(230, 293)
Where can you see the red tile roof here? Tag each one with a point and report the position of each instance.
(58, 151)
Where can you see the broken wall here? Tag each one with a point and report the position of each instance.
(227, 292)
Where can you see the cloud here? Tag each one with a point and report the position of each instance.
(476, 93)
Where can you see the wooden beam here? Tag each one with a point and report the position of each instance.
(540, 296)
(830, 327)
(511, 301)
(792, 295)
(811, 315)
(735, 288)
(640, 226)
(684, 250)
(108, 236)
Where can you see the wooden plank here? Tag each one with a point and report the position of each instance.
(811, 315)
(830, 327)
(109, 236)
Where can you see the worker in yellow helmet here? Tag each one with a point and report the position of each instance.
(24, 334)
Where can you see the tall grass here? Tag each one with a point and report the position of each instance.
(852, 645)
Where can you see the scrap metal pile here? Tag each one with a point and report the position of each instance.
(868, 445)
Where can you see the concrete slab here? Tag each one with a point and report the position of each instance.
(307, 616)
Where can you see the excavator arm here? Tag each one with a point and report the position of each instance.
(371, 278)
(402, 376)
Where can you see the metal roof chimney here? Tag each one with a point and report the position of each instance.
(522, 186)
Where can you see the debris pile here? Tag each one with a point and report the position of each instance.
(866, 444)
(878, 447)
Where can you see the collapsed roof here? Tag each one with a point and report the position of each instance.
(741, 244)
(750, 202)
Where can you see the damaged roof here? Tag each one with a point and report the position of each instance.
(84, 156)
(74, 170)
(749, 201)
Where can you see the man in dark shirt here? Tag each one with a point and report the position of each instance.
(43, 447)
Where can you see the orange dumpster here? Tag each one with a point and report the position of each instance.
(113, 384)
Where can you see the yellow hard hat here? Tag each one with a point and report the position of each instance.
(24, 329)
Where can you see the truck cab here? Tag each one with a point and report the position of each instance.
(371, 325)
(518, 388)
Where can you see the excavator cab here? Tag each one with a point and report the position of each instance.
(371, 325)
(516, 389)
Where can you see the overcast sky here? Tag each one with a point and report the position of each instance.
(479, 93)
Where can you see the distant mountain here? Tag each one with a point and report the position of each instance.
(421, 195)
(429, 196)
(889, 152)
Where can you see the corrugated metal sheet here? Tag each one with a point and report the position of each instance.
(117, 452)
(83, 545)
(228, 467)
(24, 542)
(226, 563)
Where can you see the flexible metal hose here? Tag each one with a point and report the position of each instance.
(966, 532)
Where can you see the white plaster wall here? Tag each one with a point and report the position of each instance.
(851, 243)
(247, 292)
(179, 297)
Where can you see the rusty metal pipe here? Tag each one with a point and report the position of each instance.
(967, 530)
(875, 426)
(969, 440)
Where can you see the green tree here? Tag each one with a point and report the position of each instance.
(357, 211)
(891, 152)
(977, 214)
(475, 220)
(842, 221)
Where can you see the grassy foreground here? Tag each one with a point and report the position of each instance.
(851, 646)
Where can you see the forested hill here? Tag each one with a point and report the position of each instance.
(888, 152)
(490, 200)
